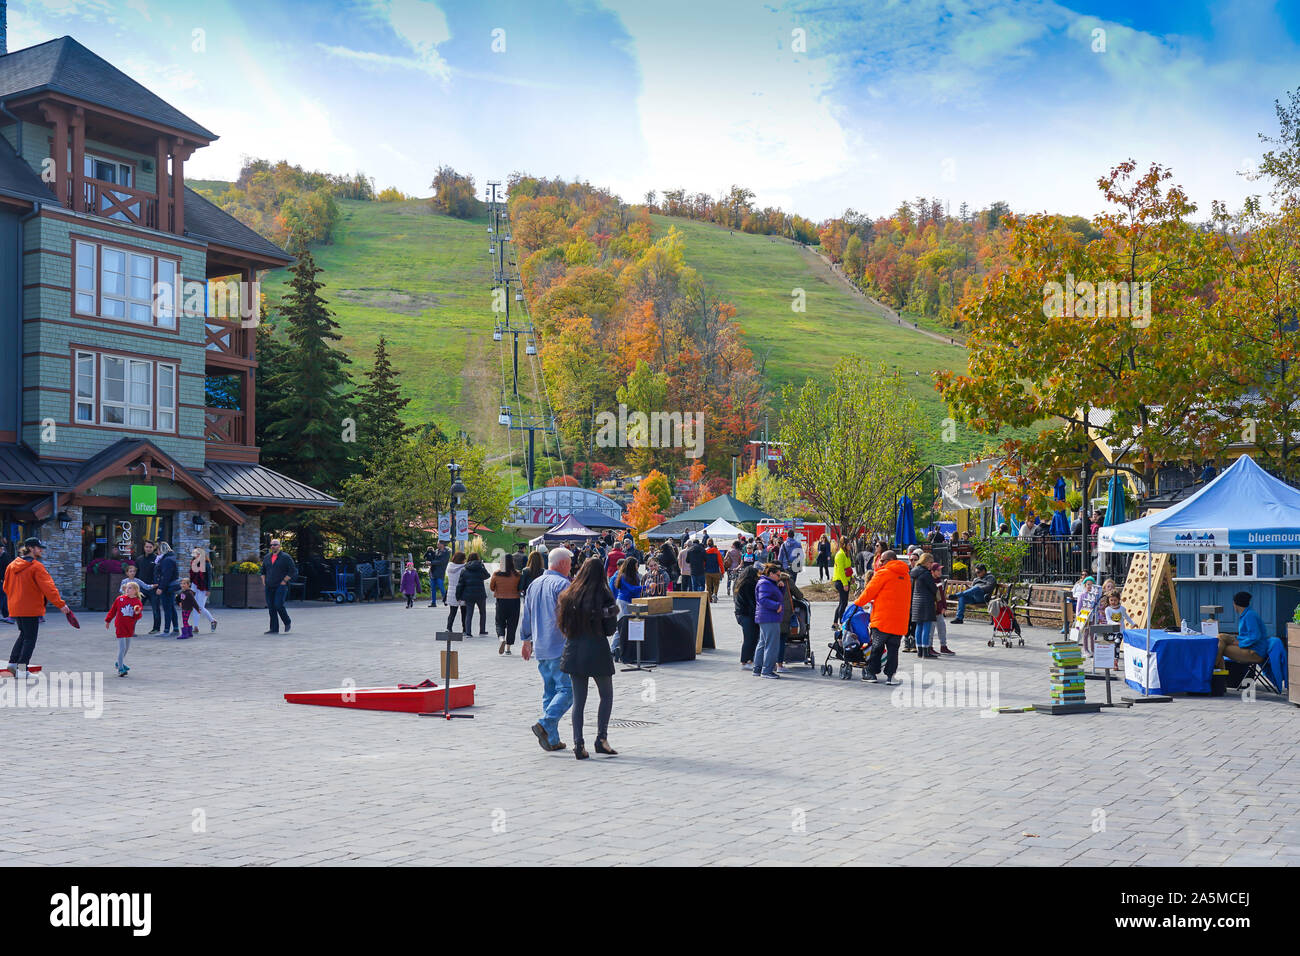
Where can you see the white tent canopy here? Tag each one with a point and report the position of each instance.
(722, 530)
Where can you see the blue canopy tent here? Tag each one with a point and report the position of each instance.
(904, 524)
(1243, 509)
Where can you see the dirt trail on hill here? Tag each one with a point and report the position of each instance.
(822, 263)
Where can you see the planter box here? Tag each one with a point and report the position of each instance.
(102, 590)
(243, 590)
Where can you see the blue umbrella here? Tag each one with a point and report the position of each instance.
(1208, 473)
(1115, 503)
(904, 526)
(1058, 493)
(1060, 526)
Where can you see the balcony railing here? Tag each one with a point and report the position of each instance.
(116, 202)
(224, 426)
(228, 338)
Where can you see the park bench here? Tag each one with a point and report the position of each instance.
(1041, 605)
(978, 611)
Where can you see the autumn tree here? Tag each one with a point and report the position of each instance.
(643, 513)
(454, 194)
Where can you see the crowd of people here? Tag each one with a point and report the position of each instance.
(153, 578)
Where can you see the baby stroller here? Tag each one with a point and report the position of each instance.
(1004, 624)
(852, 641)
(798, 645)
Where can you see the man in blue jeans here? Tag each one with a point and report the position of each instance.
(278, 570)
(981, 589)
(541, 636)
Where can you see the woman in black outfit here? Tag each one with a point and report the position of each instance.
(533, 570)
(470, 589)
(823, 558)
(588, 616)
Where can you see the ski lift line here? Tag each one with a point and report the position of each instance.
(510, 451)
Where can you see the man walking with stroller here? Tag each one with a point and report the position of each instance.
(889, 592)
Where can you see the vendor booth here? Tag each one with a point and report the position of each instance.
(723, 532)
(1243, 510)
(570, 529)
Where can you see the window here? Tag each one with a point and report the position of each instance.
(86, 277)
(130, 393)
(122, 284)
(1228, 564)
(109, 171)
(85, 387)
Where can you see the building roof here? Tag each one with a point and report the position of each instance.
(20, 470)
(208, 222)
(65, 66)
(19, 180)
(243, 482)
(231, 481)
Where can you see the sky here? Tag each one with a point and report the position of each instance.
(815, 105)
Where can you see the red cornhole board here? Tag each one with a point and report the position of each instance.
(414, 700)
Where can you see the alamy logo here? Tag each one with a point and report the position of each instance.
(1101, 300)
(932, 688)
(76, 909)
(70, 690)
(655, 430)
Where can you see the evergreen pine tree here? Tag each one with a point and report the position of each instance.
(380, 406)
(308, 430)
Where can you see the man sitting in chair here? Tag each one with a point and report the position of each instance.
(1250, 644)
(982, 588)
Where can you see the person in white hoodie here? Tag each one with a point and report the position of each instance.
(453, 575)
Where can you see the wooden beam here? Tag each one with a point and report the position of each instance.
(77, 172)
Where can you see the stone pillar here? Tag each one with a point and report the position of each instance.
(63, 554)
(248, 540)
(184, 538)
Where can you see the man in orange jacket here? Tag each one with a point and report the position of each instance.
(889, 592)
(29, 586)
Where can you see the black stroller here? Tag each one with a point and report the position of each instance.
(798, 643)
(857, 622)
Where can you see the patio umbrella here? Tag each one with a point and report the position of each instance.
(904, 525)
(1115, 503)
(1060, 524)
(1058, 492)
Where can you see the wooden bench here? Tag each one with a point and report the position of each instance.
(1043, 602)
(979, 611)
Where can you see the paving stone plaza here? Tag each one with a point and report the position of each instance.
(197, 759)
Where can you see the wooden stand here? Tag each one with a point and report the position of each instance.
(448, 666)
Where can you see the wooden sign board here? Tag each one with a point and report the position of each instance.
(697, 603)
(446, 659)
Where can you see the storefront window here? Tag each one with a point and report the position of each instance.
(221, 544)
(119, 536)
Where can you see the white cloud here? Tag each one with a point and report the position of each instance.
(422, 26)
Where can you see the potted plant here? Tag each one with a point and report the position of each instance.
(242, 585)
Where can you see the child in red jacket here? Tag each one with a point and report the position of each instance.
(123, 615)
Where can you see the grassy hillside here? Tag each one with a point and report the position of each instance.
(758, 274)
(423, 281)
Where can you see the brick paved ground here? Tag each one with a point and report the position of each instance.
(729, 770)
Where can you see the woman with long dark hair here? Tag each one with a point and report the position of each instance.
(587, 616)
(533, 570)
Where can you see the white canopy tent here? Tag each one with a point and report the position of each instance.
(722, 530)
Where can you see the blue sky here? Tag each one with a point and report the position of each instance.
(813, 104)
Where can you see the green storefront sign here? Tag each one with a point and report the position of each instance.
(144, 499)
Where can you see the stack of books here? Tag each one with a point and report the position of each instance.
(1067, 673)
